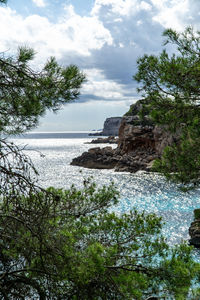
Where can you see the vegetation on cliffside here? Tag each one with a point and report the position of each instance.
(67, 244)
(170, 83)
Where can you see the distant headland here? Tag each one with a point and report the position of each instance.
(110, 128)
(140, 142)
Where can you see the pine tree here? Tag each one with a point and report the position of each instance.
(67, 244)
(170, 84)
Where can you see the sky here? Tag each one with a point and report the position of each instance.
(104, 38)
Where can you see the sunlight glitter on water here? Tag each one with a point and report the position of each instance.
(144, 191)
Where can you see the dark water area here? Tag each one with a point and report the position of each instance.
(55, 135)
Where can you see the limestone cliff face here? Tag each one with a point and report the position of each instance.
(140, 142)
(135, 134)
(164, 138)
(137, 145)
(111, 126)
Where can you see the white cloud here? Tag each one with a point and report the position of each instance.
(172, 13)
(110, 38)
(118, 20)
(121, 7)
(168, 13)
(39, 3)
(145, 6)
(106, 43)
(72, 34)
(139, 22)
(102, 88)
(88, 32)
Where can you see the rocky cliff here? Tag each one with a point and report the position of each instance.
(111, 126)
(140, 142)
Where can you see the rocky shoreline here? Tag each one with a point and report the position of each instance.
(194, 230)
(140, 142)
(106, 140)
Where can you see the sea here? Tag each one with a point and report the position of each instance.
(52, 153)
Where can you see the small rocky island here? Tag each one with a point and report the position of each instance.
(140, 143)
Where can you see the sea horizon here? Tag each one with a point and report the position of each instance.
(57, 135)
(64, 131)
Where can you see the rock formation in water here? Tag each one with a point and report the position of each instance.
(194, 230)
(110, 128)
(105, 140)
(140, 143)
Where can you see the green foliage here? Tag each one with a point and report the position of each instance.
(197, 214)
(130, 111)
(170, 83)
(67, 245)
(26, 94)
(181, 163)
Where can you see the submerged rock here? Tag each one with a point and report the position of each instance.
(194, 230)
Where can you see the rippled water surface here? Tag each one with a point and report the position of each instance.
(52, 154)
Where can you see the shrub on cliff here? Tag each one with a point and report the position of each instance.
(58, 244)
(170, 83)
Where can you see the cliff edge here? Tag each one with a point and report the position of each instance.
(110, 128)
(140, 143)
